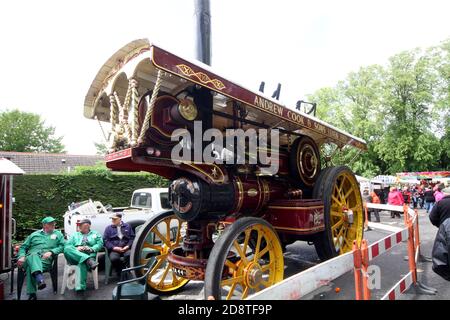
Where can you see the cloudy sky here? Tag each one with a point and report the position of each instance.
(50, 51)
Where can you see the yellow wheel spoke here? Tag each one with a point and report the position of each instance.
(336, 200)
(158, 264)
(337, 224)
(336, 213)
(348, 242)
(175, 280)
(262, 252)
(231, 265)
(163, 239)
(247, 238)
(342, 183)
(349, 192)
(336, 191)
(239, 250)
(245, 293)
(266, 267)
(258, 246)
(167, 221)
(230, 293)
(231, 281)
(161, 282)
(152, 246)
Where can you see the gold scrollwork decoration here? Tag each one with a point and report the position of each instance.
(202, 77)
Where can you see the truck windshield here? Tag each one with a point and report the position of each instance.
(141, 200)
(165, 204)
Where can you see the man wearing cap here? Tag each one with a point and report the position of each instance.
(439, 217)
(81, 249)
(37, 252)
(118, 238)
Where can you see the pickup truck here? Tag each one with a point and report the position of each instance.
(144, 204)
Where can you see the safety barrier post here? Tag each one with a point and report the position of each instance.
(365, 266)
(416, 230)
(357, 260)
(405, 214)
(411, 252)
(366, 214)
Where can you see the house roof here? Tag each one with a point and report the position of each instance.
(49, 162)
(7, 167)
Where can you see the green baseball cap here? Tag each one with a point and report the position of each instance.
(48, 220)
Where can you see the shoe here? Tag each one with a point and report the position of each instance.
(32, 296)
(92, 264)
(41, 285)
(40, 280)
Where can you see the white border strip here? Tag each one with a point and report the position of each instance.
(385, 227)
(382, 243)
(396, 288)
(305, 282)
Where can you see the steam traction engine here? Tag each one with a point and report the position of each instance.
(231, 220)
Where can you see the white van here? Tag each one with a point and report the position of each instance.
(144, 204)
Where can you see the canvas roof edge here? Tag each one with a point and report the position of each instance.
(129, 51)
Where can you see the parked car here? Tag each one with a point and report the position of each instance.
(144, 204)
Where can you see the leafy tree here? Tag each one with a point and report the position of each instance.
(409, 96)
(401, 110)
(102, 148)
(27, 132)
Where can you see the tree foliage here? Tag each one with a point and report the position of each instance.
(101, 147)
(27, 132)
(401, 109)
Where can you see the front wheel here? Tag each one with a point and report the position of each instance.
(156, 239)
(239, 266)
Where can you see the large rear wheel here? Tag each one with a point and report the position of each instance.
(238, 266)
(343, 212)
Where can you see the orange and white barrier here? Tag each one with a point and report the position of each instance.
(387, 243)
(410, 234)
(305, 282)
(400, 287)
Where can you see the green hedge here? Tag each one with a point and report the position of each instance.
(37, 196)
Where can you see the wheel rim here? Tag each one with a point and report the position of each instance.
(308, 162)
(165, 236)
(246, 271)
(346, 213)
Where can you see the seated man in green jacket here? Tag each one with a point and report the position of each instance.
(81, 249)
(37, 252)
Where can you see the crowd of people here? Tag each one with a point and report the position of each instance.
(435, 199)
(423, 196)
(37, 253)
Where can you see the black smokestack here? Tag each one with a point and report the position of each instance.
(203, 31)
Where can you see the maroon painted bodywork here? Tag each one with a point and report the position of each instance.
(260, 196)
(171, 63)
